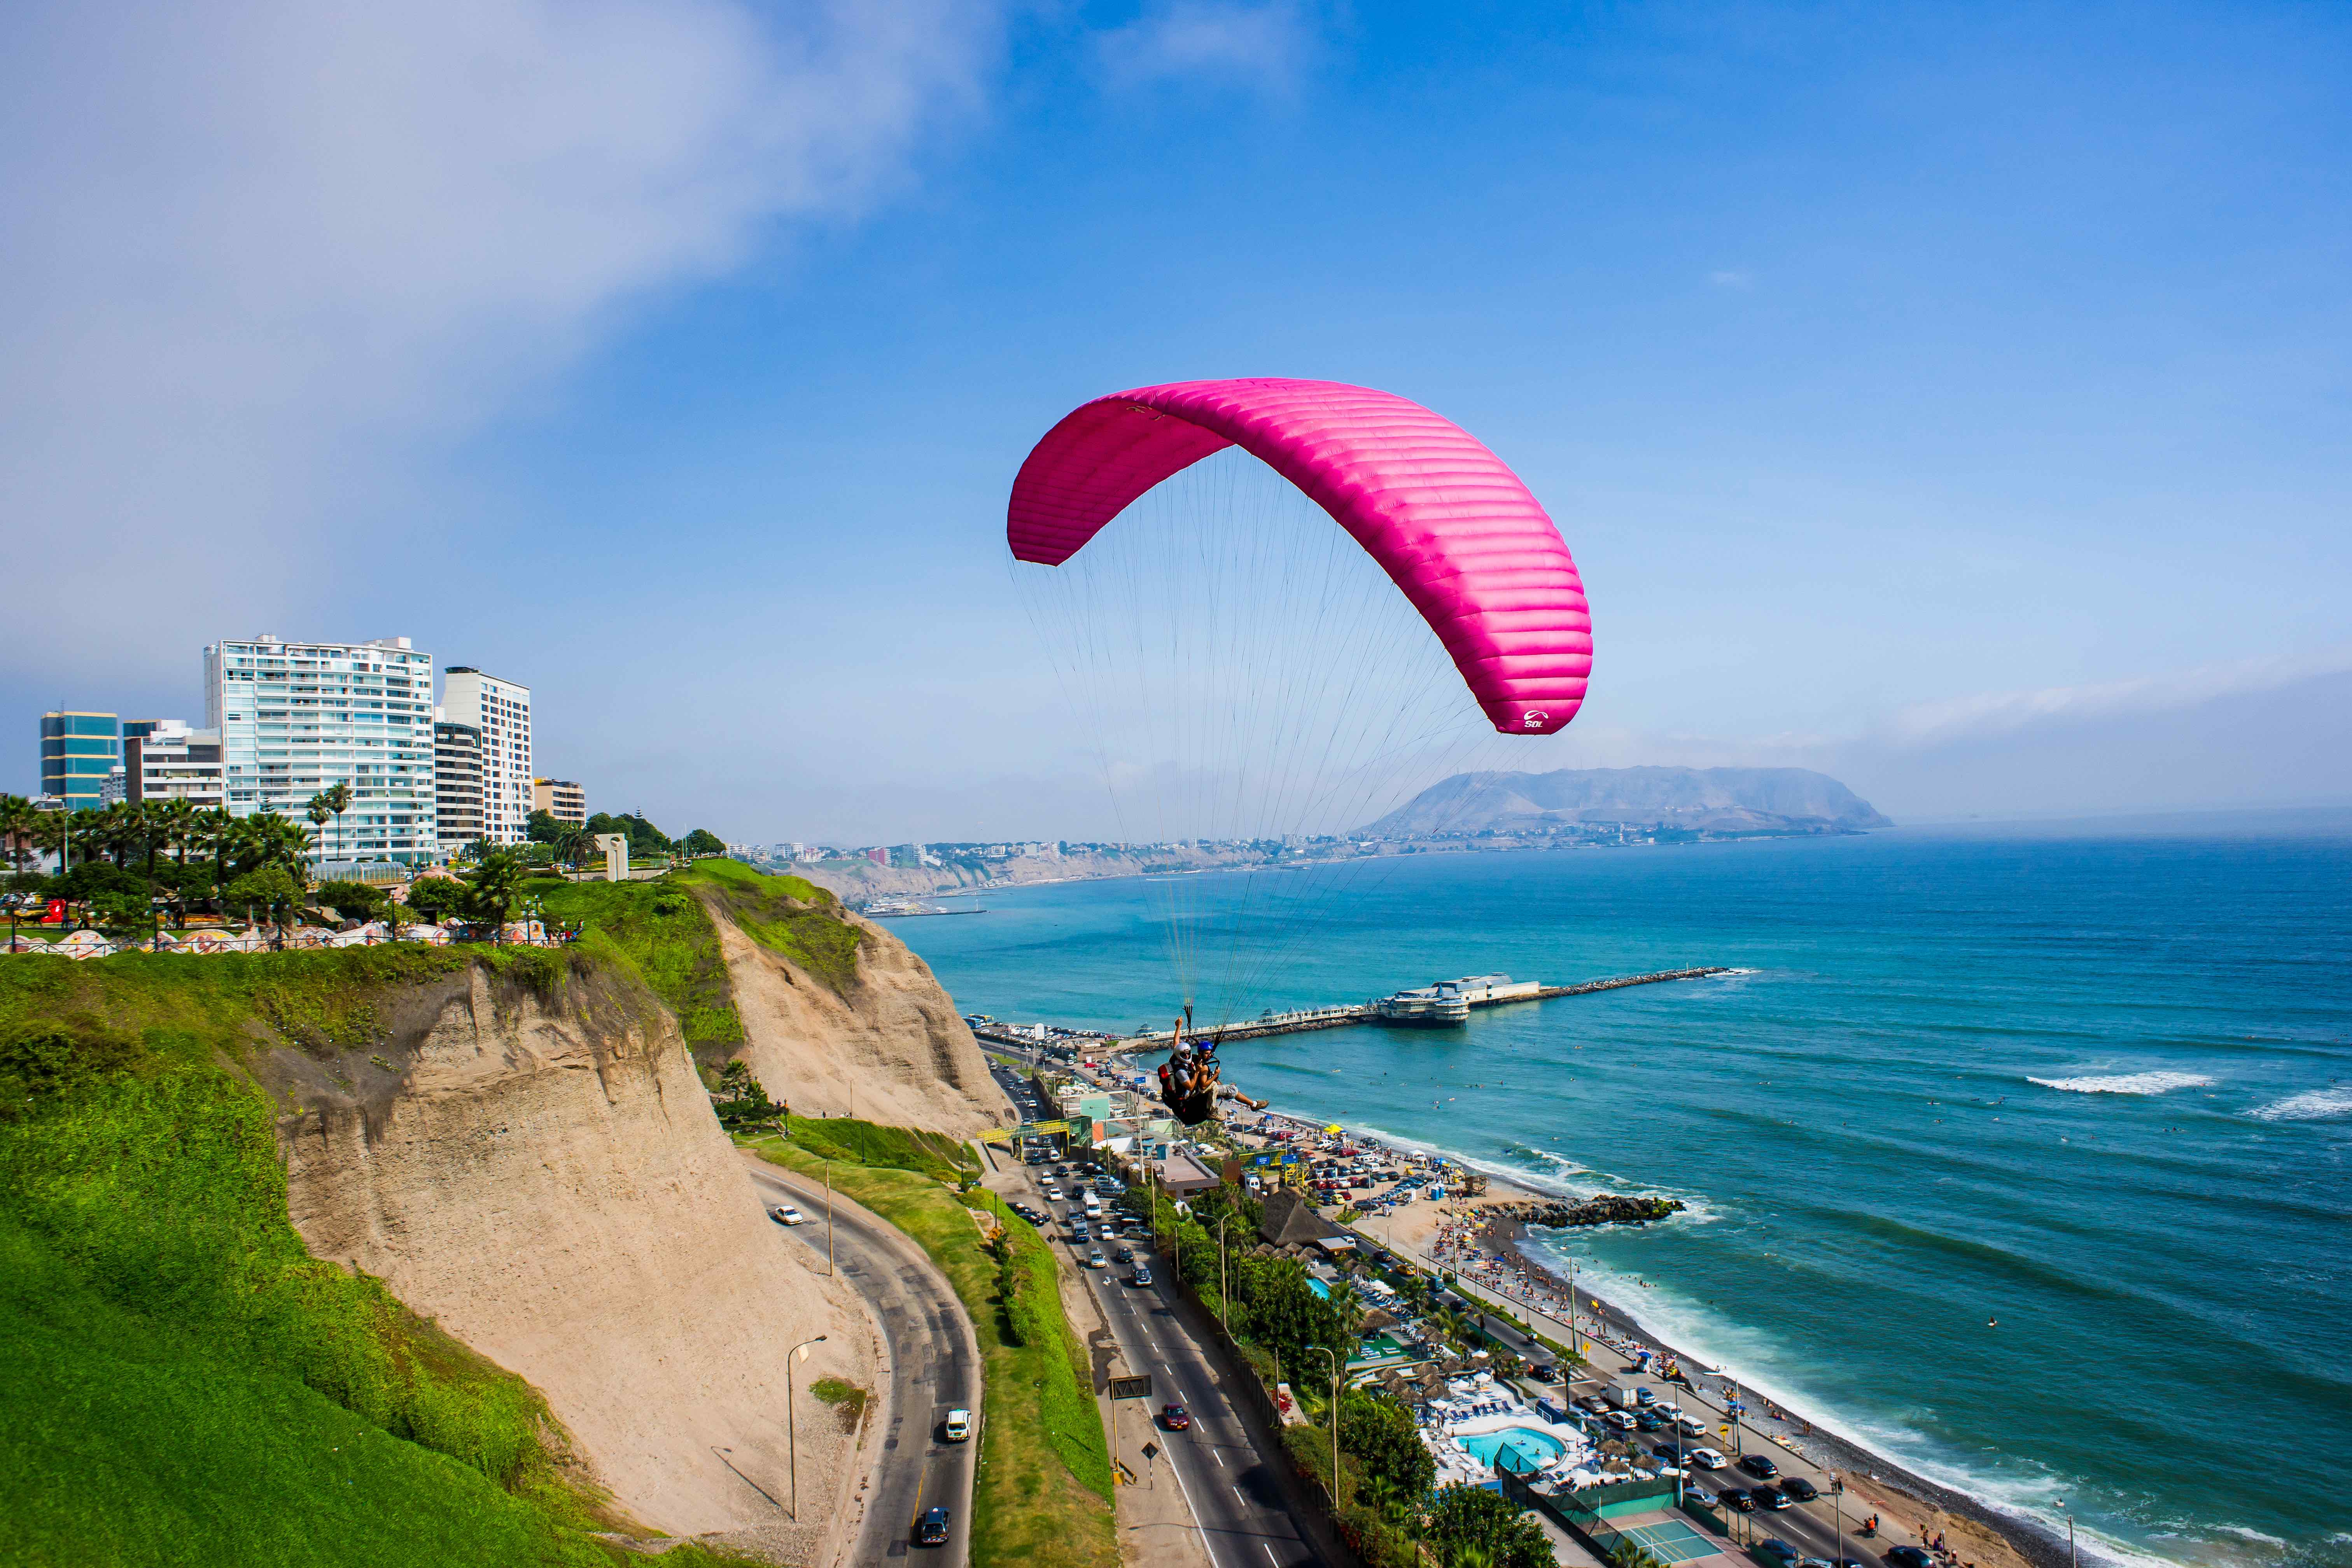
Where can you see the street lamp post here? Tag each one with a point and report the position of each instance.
(1837, 1511)
(2073, 1560)
(1334, 1356)
(828, 1219)
(791, 1429)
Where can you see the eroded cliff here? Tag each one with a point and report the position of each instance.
(531, 1159)
(840, 1018)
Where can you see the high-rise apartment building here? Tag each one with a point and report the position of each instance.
(295, 718)
(78, 754)
(561, 799)
(163, 760)
(501, 711)
(457, 784)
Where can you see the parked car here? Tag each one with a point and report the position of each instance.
(1736, 1499)
(1769, 1497)
(1800, 1489)
(1908, 1557)
(1756, 1465)
(957, 1428)
(1175, 1417)
(931, 1527)
(1780, 1549)
(784, 1214)
(1706, 1458)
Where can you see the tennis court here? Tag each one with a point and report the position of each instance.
(1671, 1541)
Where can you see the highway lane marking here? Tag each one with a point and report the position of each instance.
(1270, 1557)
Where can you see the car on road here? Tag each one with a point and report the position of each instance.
(1095, 1260)
(784, 1214)
(957, 1428)
(1544, 1372)
(1079, 1231)
(1815, 1563)
(1667, 1451)
(1176, 1418)
(1706, 1458)
(1736, 1499)
(1772, 1547)
(1594, 1402)
(1650, 1421)
(1800, 1489)
(1908, 1557)
(1691, 1429)
(1122, 1255)
(1769, 1497)
(931, 1527)
(1756, 1465)
(1645, 1396)
(1143, 1274)
(1618, 1421)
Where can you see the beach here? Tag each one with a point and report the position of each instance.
(1447, 1235)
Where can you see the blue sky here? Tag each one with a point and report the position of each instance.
(1950, 397)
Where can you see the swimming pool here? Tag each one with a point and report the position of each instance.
(1537, 1448)
(1318, 1287)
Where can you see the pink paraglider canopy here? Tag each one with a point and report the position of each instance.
(1448, 522)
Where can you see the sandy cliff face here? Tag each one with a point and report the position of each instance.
(890, 1048)
(542, 1174)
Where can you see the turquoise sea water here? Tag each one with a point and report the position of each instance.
(2097, 1088)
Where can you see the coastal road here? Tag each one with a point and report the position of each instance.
(934, 1368)
(1234, 1488)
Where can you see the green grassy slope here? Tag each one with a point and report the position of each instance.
(179, 1382)
(787, 915)
(660, 932)
(1042, 1486)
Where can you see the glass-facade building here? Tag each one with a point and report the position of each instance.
(79, 752)
(296, 719)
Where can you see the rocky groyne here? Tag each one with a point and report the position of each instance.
(1601, 1209)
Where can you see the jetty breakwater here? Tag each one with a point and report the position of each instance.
(1607, 1208)
(1344, 1015)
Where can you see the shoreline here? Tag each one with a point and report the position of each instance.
(1897, 1493)
(1980, 1531)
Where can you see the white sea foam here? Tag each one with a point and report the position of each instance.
(2127, 1083)
(2311, 1105)
(2245, 1533)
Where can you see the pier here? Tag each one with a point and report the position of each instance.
(1301, 1020)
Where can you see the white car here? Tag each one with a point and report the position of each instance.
(784, 1214)
(1706, 1460)
(958, 1427)
(1691, 1429)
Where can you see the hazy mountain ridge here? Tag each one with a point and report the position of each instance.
(1719, 801)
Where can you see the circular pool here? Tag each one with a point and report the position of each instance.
(1535, 1448)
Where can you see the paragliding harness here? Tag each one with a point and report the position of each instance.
(1188, 1078)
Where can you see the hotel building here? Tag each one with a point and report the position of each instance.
(79, 754)
(561, 799)
(457, 784)
(295, 718)
(163, 760)
(501, 711)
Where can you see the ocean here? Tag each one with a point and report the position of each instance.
(2018, 1155)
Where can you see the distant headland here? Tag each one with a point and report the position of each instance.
(1610, 804)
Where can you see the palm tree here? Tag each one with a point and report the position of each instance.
(337, 800)
(175, 822)
(16, 826)
(53, 835)
(497, 884)
(87, 832)
(318, 812)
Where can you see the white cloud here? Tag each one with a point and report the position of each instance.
(1267, 43)
(1938, 723)
(257, 252)
(1731, 280)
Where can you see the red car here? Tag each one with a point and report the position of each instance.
(1175, 1417)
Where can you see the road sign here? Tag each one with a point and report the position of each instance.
(1132, 1388)
(1151, 1450)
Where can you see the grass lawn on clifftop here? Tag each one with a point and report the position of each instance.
(1041, 1488)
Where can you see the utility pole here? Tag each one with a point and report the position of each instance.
(791, 1430)
(1335, 1487)
(1837, 1509)
(828, 1218)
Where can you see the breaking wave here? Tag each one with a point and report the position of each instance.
(2311, 1105)
(2127, 1083)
